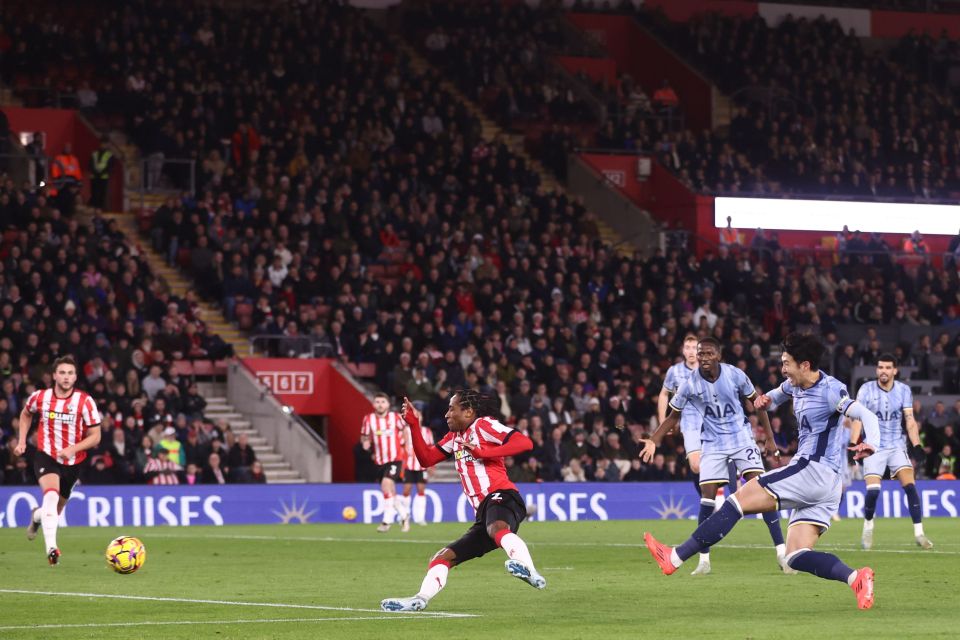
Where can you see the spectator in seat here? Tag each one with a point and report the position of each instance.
(241, 456)
(213, 473)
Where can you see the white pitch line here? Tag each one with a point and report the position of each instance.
(631, 545)
(277, 605)
(158, 623)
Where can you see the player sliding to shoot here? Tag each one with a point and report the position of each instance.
(811, 484)
(714, 392)
(478, 444)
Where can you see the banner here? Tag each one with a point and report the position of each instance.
(182, 506)
(300, 383)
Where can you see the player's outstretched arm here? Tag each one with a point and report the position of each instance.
(426, 455)
(650, 446)
(518, 443)
(871, 429)
(771, 443)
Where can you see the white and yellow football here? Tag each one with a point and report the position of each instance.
(126, 554)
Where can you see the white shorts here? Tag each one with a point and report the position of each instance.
(691, 423)
(811, 489)
(714, 465)
(893, 459)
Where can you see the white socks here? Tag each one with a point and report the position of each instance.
(868, 525)
(389, 509)
(676, 561)
(435, 580)
(852, 578)
(918, 529)
(420, 509)
(49, 518)
(781, 550)
(402, 506)
(704, 557)
(516, 549)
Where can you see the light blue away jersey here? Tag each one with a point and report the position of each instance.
(819, 411)
(676, 376)
(889, 406)
(724, 424)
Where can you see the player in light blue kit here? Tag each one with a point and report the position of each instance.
(690, 420)
(810, 484)
(715, 392)
(892, 402)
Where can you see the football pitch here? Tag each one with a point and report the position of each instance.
(326, 581)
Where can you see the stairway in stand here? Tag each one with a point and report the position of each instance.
(277, 470)
(492, 132)
(179, 284)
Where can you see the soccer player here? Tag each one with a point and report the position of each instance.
(478, 444)
(384, 429)
(690, 420)
(715, 392)
(415, 474)
(810, 484)
(892, 402)
(69, 425)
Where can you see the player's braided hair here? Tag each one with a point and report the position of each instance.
(483, 404)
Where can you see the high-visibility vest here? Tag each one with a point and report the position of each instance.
(66, 165)
(101, 164)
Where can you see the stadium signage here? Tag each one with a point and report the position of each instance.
(830, 215)
(288, 382)
(183, 505)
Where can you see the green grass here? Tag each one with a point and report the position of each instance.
(601, 584)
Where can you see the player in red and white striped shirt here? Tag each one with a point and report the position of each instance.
(69, 425)
(383, 429)
(478, 443)
(415, 474)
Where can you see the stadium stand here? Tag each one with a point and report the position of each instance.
(353, 209)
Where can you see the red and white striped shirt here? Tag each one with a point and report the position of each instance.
(386, 433)
(411, 462)
(63, 421)
(156, 464)
(479, 477)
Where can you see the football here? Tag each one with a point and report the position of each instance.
(126, 554)
(349, 513)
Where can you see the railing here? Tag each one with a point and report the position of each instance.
(289, 346)
(289, 434)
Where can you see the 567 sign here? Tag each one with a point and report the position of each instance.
(288, 382)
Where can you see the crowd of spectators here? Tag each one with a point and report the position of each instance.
(816, 112)
(75, 288)
(498, 54)
(358, 209)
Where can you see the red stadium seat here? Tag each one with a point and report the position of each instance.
(203, 368)
(182, 367)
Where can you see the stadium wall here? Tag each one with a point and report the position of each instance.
(147, 506)
(315, 387)
(637, 52)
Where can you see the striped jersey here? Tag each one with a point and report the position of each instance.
(889, 407)
(156, 464)
(724, 423)
(411, 461)
(479, 477)
(63, 421)
(386, 434)
(818, 410)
